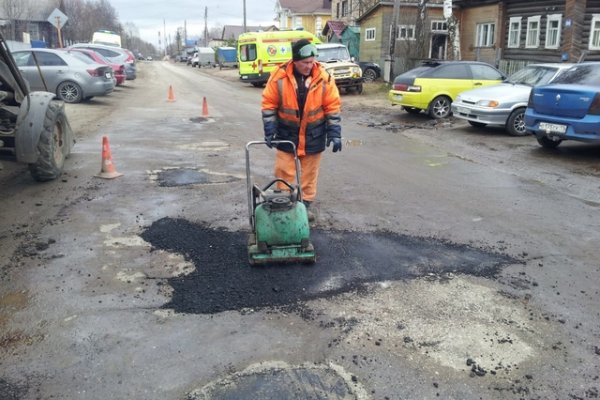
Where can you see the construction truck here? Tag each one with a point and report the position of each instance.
(33, 125)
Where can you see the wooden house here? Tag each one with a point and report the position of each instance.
(420, 33)
(310, 15)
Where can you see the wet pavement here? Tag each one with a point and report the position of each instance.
(346, 261)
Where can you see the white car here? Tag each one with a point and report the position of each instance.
(504, 104)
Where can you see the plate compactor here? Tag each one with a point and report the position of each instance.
(278, 218)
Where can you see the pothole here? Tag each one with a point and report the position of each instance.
(277, 380)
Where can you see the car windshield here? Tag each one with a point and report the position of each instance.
(333, 53)
(581, 74)
(532, 76)
(82, 57)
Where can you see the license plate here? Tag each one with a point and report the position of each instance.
(108, 75)
(552, 128)
(462, 110)
(398, 97)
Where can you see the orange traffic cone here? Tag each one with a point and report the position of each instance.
(170, 94)
(204, 107)
(108, 170)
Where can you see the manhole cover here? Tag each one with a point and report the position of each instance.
(276, 381)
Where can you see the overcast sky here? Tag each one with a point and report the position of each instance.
(148, 15)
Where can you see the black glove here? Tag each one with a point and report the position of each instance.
(337, 143)
(268, 138)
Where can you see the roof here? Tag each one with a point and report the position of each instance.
(336, 27)
(306, 6)
(233, 31)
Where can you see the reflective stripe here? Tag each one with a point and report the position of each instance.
(315, 112)
(288, 111)
(279, 92)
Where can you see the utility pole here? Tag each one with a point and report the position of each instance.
(206, 26)
(393, 36)
(165, 35)
(244, 16)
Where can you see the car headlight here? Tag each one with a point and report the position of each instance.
(488, 103)
(356, 70)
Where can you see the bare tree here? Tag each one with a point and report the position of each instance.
(415, 37)
(15, 11)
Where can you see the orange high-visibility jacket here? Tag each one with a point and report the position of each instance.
(320, 117)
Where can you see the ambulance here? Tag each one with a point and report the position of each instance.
(260, 52)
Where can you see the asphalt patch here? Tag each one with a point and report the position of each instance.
(189, 176)
(346, 261)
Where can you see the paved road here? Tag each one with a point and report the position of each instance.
(454, 268)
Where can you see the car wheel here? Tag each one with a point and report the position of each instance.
(548, 143)
(359, 89)
(369, 75)
(52, 145)
(412, 110)
(515, 125)
(477, 124)
(257, 84)
(69, 92)
(439, 107)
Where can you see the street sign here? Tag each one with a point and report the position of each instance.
(57, 18)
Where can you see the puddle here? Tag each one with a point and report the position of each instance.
(346, 261)
(277, 380)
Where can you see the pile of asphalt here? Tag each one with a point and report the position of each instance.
(346, 261)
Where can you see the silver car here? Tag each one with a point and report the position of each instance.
(504, 104)
(117, 55)
(72, 79)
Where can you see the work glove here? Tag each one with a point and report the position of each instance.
(337, 143)
(268, 138)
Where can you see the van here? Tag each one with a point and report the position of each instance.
(259, 53)
(107, 38)
(204, 56)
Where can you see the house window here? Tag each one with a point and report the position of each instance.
(406, 32)
(34, 31)
(595, 33)
(439, 26)
(485, 35)
(319, 25)
(553, 31)
(337, 10)
(533, 32)
(344, 8)
(297, 22)
(514, 32)
(370, 34)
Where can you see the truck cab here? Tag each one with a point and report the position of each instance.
(337, 61)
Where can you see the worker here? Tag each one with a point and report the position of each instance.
(301, 103)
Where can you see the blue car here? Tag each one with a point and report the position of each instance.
(567, 109)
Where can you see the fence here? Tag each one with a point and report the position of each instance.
(511, 66)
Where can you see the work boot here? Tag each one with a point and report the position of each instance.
(309, 213)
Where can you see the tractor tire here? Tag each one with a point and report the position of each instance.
(52, 146)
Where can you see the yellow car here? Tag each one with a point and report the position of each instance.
(433, 86)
